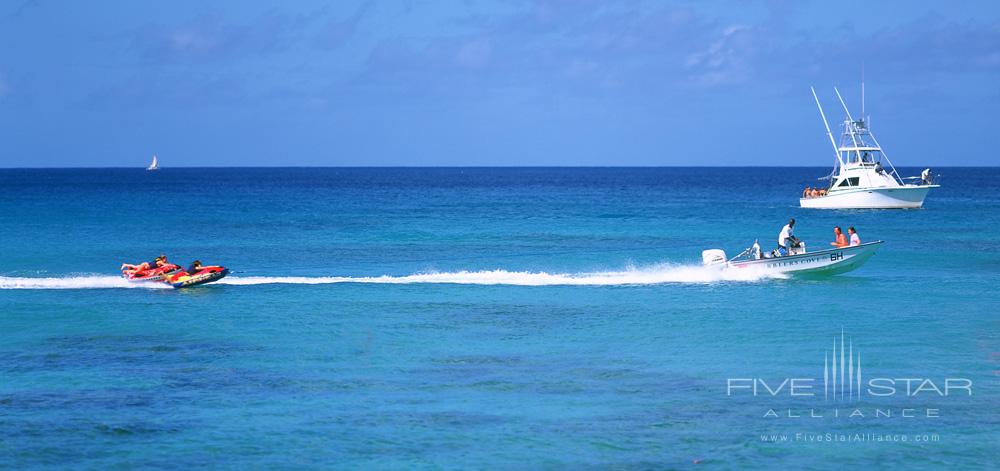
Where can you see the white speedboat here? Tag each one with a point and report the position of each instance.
(859, 179)
(800, 262)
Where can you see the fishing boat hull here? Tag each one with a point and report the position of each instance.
(901, 197)
(824, 262)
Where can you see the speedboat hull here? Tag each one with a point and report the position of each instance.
(901, 197)
(823, 262)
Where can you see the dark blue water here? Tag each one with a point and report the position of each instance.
(489, 318)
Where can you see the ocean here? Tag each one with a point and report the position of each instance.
(491, 318)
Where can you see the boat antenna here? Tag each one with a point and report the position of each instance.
(862, 89)
(828, 133)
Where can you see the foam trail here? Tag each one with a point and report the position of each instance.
(658, 274)
(74, 282)
(647, 276)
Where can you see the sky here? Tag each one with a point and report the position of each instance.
(492, 83)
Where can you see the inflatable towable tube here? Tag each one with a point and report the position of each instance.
(205, 275)
(156, 274)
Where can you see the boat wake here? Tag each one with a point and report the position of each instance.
(646, 276)
(658, 274)
(75, 282)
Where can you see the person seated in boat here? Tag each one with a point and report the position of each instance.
(822, 192)
(815, 192)
(878, 168)
(807, 193)
(784, 235)
(840, 240)
(855, 240)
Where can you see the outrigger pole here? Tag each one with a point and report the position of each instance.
(893, 167)
(828, 133)
(843, 104)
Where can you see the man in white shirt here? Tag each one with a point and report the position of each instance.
(925, 176)
(855, 240)
(786, 232)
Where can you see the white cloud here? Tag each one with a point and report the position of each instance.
(725, 60)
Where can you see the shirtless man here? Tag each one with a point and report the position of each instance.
(840, 240)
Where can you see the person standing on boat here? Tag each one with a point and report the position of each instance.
(786, 233)
(925, 176)
(855, 240)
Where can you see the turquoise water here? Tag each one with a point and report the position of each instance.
(480, 318)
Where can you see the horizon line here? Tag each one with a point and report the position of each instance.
(463, 166)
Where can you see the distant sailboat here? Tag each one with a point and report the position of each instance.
(154, 165)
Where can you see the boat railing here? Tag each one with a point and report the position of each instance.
(935, 180)
(744, 253)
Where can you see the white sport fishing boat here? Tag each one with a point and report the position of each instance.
(823, 262)
(154, 165)
(859, 179)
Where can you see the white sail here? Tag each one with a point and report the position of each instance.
(154, 165)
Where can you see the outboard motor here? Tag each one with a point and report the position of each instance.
(713, 257)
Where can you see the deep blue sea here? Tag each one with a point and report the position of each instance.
(491, 318)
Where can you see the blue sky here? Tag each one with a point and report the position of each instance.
(491, 83)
